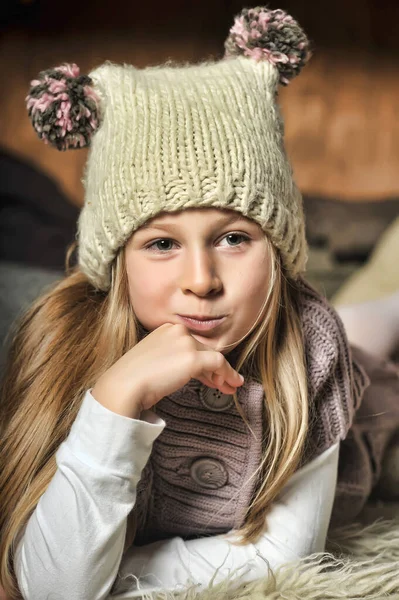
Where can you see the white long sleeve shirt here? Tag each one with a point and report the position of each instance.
(72, 545)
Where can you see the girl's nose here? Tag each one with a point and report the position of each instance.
(199, 274)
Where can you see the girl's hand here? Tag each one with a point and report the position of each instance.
(161, 363)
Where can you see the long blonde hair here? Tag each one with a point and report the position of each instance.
(73, 324)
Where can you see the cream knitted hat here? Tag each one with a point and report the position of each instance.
(170, 137)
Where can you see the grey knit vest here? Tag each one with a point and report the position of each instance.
(201, 477)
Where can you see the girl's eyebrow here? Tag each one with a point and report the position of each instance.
(165, 225)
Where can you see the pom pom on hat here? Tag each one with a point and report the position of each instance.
(270, 35)
(63, 107)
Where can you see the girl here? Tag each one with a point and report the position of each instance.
(176, 409)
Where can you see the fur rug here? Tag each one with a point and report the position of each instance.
(360, 562)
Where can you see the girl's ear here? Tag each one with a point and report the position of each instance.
(269, 35)
(64, 107)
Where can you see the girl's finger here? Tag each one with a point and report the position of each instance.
(208, 376)
(225, 388)
(206, 382)
(218, 379)
(223, 375)
(222, 385)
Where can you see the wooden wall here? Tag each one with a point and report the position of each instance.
(342, 130)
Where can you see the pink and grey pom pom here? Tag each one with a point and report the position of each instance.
(63, 107)
(270, 35)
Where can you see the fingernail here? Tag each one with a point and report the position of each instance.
(242, 378)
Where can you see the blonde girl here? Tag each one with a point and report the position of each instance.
(173, 410)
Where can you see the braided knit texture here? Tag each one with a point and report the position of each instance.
(192, 136)
(170, 502)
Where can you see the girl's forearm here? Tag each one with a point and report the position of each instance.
(74, 539)
(296, 526)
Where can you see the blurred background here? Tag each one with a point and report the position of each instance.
(341, 117)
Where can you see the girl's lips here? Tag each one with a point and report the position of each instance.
(201, 325)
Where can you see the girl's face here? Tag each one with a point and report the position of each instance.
(207, 262)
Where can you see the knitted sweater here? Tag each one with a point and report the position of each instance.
(201, 477)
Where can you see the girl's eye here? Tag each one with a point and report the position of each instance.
(162, 249)
(158, 249)
(235, 236)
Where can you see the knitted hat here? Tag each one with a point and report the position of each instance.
(171, 137)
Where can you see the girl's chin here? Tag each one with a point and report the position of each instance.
(212, 342)
(203, 339)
